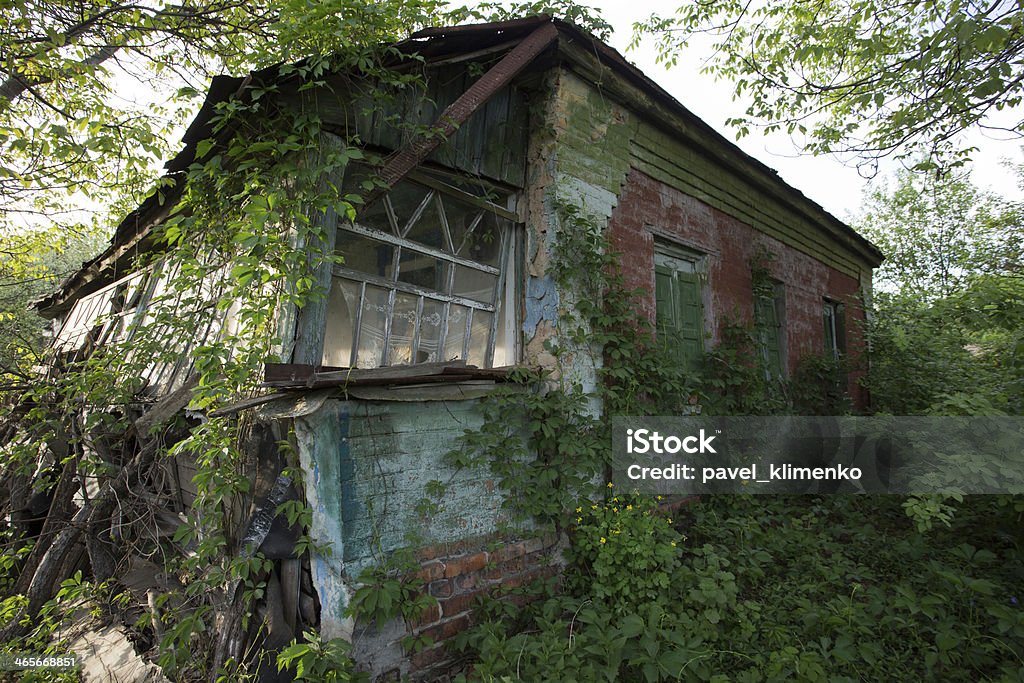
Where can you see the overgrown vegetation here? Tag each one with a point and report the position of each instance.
(738, 588)
(724, 589)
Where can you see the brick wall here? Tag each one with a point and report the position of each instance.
(649, 209)
(458, 574)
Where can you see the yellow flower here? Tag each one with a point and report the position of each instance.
(629, 507)
(579, 509)
(593, 507)
(611, 485)
(659, 497)
(615, 499)
(604, 540)
(615, 509)
(579, 519)
(673, 544)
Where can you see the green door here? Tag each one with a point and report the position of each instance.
(679, 314)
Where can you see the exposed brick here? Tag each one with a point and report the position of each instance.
(468, 582)
(458, 604)
(441, 588)
(431, 571)
(508, 551)
(430, 656)
(499, 571)
(447, 628)
(465, 564)
(431, 615)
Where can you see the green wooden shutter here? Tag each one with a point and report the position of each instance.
(679, 314)
(769, 333)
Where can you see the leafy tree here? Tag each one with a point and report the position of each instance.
(91, 92)
(46, 257)
(865, 77)
(937, 233)
(948, 325)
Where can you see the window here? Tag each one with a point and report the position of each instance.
(105, 316)
(679, 311)
(769, 327)
(429, 275)
(835, 328)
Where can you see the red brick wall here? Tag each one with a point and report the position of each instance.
(457, 574)
(648, 208)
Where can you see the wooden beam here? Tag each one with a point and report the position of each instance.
(459, 111)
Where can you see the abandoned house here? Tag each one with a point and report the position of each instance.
(449, 269)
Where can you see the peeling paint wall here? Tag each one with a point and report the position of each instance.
(578, 154)
(367, 466)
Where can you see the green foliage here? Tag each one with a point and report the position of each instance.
(66, 140)
(938, 233)
(789, 589)
(391, 590)
(319, 661)
(867, 77)
(623, 553)
(734, 379)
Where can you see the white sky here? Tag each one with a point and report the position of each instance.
(826, 180)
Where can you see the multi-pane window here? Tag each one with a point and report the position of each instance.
(769, 327)
(679, 312)
(428, 275)
(104, 317)
(835, 328)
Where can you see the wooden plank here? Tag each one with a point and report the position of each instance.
(500, 75)
(167, 407)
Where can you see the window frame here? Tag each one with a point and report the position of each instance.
(692, 264)
(500, 307)
(771, 293)
(834, 327)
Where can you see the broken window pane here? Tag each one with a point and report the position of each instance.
(423, 247)
(376, 216)
(406, 200)
(484, 243)
(462, 220)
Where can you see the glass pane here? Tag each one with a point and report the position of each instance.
(474, 284)
(371, 328)
(462, 219)
(430, 331)
(422, 270)
(364, 254)
(375, 216)
(403, 328)
(483, 245)
(405, 199)
(456, 332)
(428, 229)
(341, 307)
(479, 336)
